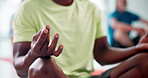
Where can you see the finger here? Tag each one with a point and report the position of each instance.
(48, 35)
(47, 27)
(46, 43)
(35, 37)
(59, 51)
(41, 39)
(45, 47)
(53, 45)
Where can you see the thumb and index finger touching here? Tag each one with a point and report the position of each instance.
(44, 36)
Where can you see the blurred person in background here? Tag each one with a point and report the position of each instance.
(120, 26)
(78, 23)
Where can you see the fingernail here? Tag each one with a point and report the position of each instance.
(56, 35)
(47, 26)
(61, 47)
(45, 31)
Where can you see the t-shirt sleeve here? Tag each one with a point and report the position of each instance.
(134, 17)
(113, 15)
(24, 25)
(100, 32)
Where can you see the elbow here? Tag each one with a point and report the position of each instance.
(19, 69)
(104, 61)
(101, 62)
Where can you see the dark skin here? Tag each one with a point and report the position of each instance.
(25, 53)
(134, 59)
(121, 28)
(132, 62)
(105, 55)
(45, 68)
(63, 2)
(33, 59)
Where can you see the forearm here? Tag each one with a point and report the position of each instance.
(124, 27)
(22, 64)
(105, 54)
(144, 21)
(115, 55)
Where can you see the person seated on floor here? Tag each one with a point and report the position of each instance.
(119, 26)
(78, 24)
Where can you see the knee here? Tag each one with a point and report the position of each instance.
(119, 35)
(33, 72)
(35, 69)
(143, 60)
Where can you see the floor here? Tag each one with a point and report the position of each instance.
(7, 69)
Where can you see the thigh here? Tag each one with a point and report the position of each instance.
(133, 73)
(136, 61)
(123, 38)
(35, 70)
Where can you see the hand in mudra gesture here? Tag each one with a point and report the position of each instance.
(45, 66)
(39, 45)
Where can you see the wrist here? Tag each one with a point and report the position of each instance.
(30, 53)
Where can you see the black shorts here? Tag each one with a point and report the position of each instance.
(103, 75)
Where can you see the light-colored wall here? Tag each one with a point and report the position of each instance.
(7, 9)
(140, 7)
(136, 6)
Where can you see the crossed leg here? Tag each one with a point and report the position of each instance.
(134, 67)
(123, 38)
(45, 68)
